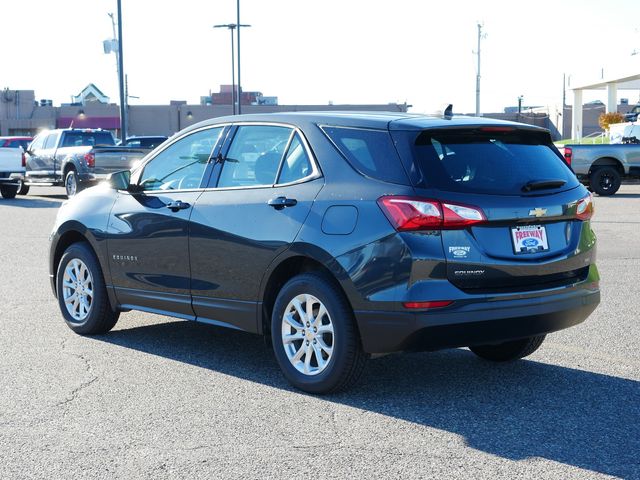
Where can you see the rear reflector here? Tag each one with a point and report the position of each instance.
(413, 213)
(425, 305)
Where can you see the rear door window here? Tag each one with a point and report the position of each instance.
(370, 152)
(483, 160)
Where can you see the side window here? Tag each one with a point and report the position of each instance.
(370, 152)
(296, 163)
(254, 156)
(50, 141)
(38, 143)
(181, 165)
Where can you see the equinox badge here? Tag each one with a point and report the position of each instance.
(538, 212)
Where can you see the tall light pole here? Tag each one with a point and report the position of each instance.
(123, 98)
(480, 37)
(231, 27)
(239, 82)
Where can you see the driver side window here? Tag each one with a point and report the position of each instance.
(181, 165)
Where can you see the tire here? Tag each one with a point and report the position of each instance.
(22, 188)
(605, 181)
(71, 183)
(508, 351)
(334, 336)
(8, 191)
(93, 315)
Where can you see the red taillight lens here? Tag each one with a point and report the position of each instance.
(410, 213)
(90, 158)
(584, 208)
(24, 159)
(424, 305)
(568, 152)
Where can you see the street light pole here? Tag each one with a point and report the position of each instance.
(231, 27)
(234, 96)
(123, 99)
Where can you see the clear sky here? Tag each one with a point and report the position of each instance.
(344, 51)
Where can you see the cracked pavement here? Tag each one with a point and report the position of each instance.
(162, 398)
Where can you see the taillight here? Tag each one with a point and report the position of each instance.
(24, 159)
(90, 158)
(584, 208)
(411, 213)
(568, 152)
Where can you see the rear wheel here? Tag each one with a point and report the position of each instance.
(508, 351)
(605, 181)
(8, 191)
(71, 183)
(22, 188)
(314, 335)
(82, 295)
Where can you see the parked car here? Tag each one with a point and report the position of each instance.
(148, 142)
(16, 143)
(11, 171)
(76, 158)
(602, 167)
(339, 236)
(632, 115)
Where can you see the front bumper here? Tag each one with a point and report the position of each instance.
(468, 323)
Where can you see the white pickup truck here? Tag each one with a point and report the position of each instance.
(11, 171)
(602, 167)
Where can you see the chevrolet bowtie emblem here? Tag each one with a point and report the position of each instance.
(538, 212)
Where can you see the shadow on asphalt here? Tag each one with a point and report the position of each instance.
(33, 201)
(624, 195)
(515, 411)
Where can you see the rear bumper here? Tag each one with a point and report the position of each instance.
(475, 323)
(92, 177)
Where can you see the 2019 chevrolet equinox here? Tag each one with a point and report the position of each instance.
(339, 235)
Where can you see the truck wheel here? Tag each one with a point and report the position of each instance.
(314, 335)
(71, 184)
(22, 188)
(605, 181)
(8, 191)
(505, 352)
(82, 295)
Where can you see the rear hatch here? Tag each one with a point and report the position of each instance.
(513, 213)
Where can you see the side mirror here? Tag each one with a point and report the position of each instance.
(120, 180)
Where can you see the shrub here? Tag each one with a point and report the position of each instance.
(607, 119)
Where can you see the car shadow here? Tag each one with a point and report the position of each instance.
(623, 195)
(515, 411)
(33, 201)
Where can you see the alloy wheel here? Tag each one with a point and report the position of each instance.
(77, 289)
(307, 334)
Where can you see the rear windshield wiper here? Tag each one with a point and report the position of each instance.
(542, 184)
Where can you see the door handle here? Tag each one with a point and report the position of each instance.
(280, 202)
(177, 205)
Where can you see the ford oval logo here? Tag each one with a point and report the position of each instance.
(459, 253)
(530, 242)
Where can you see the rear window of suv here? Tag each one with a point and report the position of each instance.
(487, 160)
(370, 152)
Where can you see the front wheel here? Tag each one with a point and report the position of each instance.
(81, 291)
(513, 350)
(314, 335)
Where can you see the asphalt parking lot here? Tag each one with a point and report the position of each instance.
(163, 398)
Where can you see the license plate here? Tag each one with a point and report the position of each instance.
(529, 239)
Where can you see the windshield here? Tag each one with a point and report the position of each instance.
(484, 160)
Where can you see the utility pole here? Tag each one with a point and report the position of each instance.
(231, 27)
(480, 37)
(239, 96)
(123, 98)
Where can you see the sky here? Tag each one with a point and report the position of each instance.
(340, 51)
